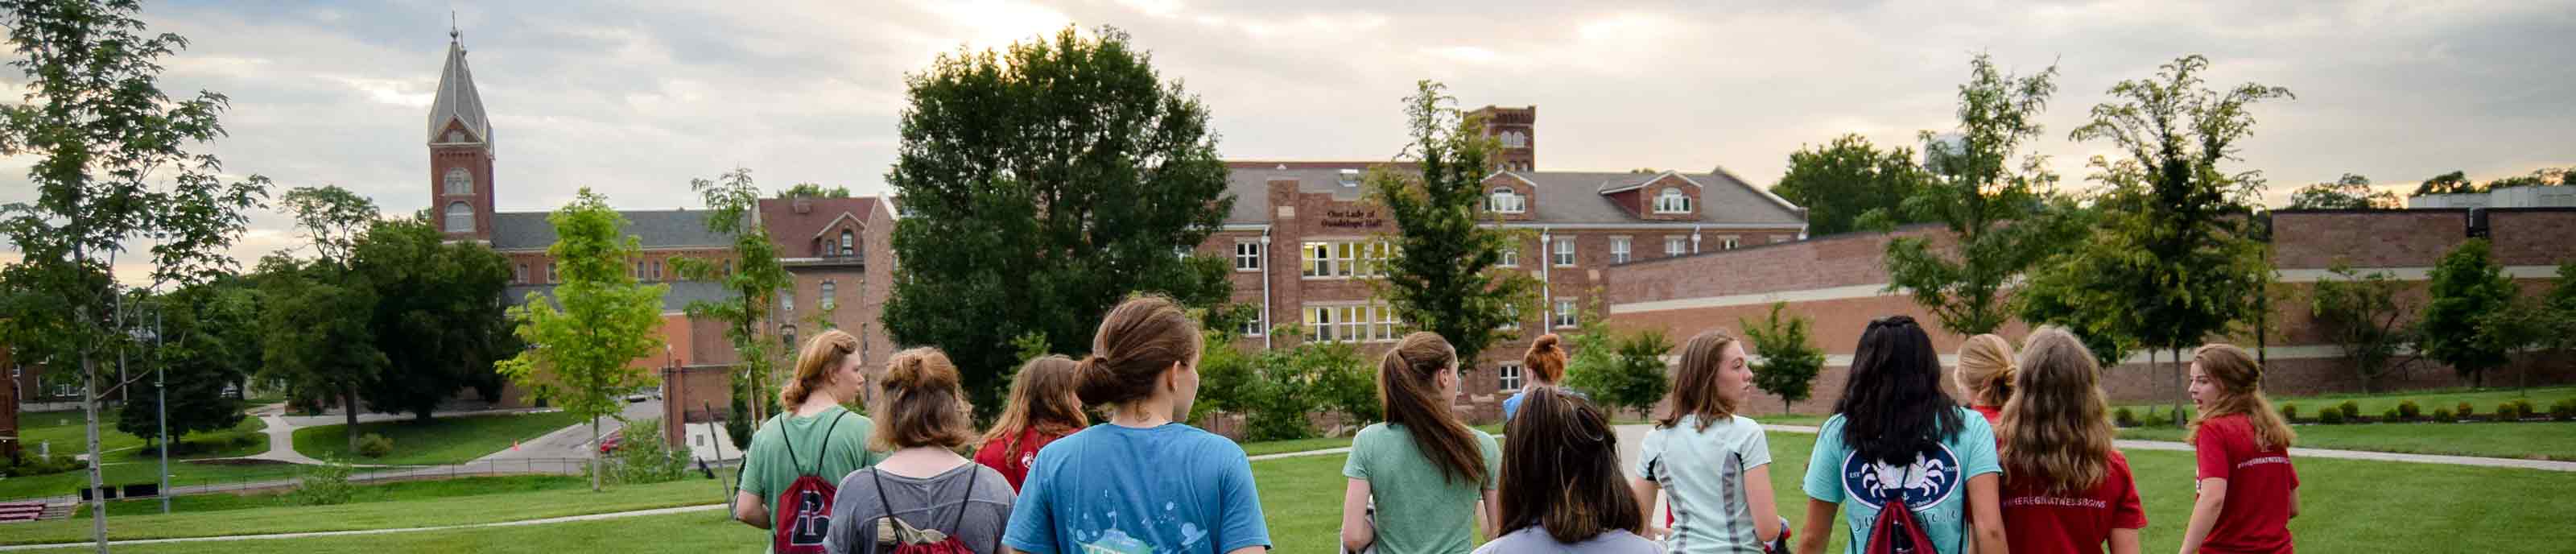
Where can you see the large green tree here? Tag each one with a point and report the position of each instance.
(1442, 276)
(752, 274)
(2467, 285)
(1841, 181)
(327, 348)
(437, 318)
(110, 163)
(580, 355)
(2179, 253)
(1988, 193)
(2352, 192)
(1790, 359)
(2362, 314)
(1043, 184)
(209, 339)
(2456, 182)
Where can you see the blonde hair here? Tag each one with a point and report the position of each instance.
(1041, 399)
(2240, 391)
(2056, 428)
(814, 364)
(921, 404)
(1695, 382)
(1986, 370)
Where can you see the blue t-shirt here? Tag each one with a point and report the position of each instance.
(1121, 490)
(1935, 485)
(1513, 405)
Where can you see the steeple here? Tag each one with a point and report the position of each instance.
(458, 105)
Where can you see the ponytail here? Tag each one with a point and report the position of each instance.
(1409, 390)
(1547, 358)
(1986, 369)
(1138, 341)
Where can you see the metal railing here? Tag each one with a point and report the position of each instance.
(285, 476)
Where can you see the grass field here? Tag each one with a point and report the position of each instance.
(2533, 440)
(459, 510)
(68, 436)
(446, 440)
(386, 492)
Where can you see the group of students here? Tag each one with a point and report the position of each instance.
(2026, 465)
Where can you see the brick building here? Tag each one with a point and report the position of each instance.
(1301, 239)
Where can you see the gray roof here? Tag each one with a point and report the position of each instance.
(677, 299)
(657, 229)
(1563, 196)
(457, 99)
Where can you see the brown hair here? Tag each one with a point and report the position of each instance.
(2057, 426)
(921, 404)
(1561, 470)
(2240, 391)
(1041, 399)
(1547, 357)
(1408, 384)
(822, 354)
(1138, 341)
(1695, 382)
(1986, 370)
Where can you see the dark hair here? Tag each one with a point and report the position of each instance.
(1547, 357)
(922, 404)
(1138, 341)
(1041, 399)
(1892, 405)
(1408, 387)
(1561, 470)
(1695, 382)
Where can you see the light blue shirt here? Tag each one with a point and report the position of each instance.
(1935, 485)
(1703, 471)
(1119, 490)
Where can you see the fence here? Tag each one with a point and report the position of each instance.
(284, 476)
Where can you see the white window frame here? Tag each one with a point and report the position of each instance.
(1676, 246)
(460, 218)
(1352, 322)
(1507, 377)
(554, 271)
(1504, 200)
(787, 300)
(457, 181)
(1513, 313)
(1511, 257)
(520, 274)
(1618, 250)
(1566, 315)
(1343, 259)
(1672, 201)
(849, 244)
(1247, 255)
(1728, 242)
(1563, 254)
(1256, 326)
(828, 290)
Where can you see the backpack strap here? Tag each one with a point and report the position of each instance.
(818, 454)
(827, 440)
(885, 527)
(959, 522)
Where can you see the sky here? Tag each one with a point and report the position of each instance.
(634, 99)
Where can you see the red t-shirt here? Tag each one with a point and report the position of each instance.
(1995, 419)
(2256, 518)
(1016, 466)
(2037, 521)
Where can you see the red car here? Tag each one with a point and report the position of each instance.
(609, 444)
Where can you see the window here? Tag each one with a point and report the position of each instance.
(455, 136)
(1511, 317)
(1257, 326)
(787, 300)
(1350, 177)
(459, 181)
(1675, 246)
(848, 243)
(519, 274)
(1514, 139)
(1618, 250)
(1564, 251)
(1565, 313)
(460, 218)
(1504, 200)
(1508, 377)
(1352, 323)
(554, 272)
(639, 270)
(655, 270)
(1672, 201)
(1511, 257)
(1727, 242)
(1247, 256)
(826, 301)
(1343, 259)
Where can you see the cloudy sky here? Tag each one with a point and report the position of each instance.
(635, 99)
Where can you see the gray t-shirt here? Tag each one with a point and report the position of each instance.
(925, 503)
(1534, 540)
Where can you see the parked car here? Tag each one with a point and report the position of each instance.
(609, 444)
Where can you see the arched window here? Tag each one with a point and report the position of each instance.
(1505, 200)
(459, 181)
(848, 242)
(1672, 201)
(827, 301)
(460, 218)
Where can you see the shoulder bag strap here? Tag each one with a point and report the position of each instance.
(885, 527)
(959, 522)
(781, 423)
(827, 440)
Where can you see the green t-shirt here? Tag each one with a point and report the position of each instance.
(1419, 509)
(768, 469)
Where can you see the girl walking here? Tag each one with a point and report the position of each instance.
(1431, 476)
(2065, 488)
(2247, 490)
(1895, 437)
(1560, 489)
(922, 485)
(816, 438)
(1545, 364)
(1715, 464)
(1986, 375)
(1043, 408)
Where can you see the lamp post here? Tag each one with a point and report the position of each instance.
(160, 388)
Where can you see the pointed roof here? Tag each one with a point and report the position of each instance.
(457, 100)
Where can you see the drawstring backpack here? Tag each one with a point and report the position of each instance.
(1896, 531)
(805, 507)
(907, 539)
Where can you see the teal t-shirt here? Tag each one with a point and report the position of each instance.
(1419, 508)
(769, 467)
(1935, 485)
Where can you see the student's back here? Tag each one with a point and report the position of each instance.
(2040, 520)
(1419, 509)
(1116, 489)
(2066, 489)
(1535, 540)
(790, 445)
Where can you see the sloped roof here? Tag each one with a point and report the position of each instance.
(1562, 196)
(677, 299)
(656, 228)
(793, 232)
(457, 100)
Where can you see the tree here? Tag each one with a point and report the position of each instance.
(2361, 313)
(1620, 370)
(2456, 182)
(437, 316)
(1979, 194)
(1443, 273)
(1841, 181)
(311, 350)
(110, 163)
(752, 274)
(581, 355)
(2466, 286)
(2183, 246)
(2352, 192)
(809, 190)
(209, 339)
(2543, 177)
(1043, 185)
(1790, 360)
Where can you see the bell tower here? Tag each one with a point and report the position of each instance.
(460, 152)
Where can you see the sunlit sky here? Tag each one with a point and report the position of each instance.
(634, 99)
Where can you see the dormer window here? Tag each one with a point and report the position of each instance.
(1672, 201)
(1504, 200)
(1350, 177)
(454, 136)
(848, 243)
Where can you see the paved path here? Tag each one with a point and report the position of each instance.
(564, 519)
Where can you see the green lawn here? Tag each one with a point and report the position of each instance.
(446, 440)
(387, 492)
(2484, 400)
(460, 510)
(2554, 441)
(69, 436)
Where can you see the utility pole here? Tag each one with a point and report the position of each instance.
(161, 372)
